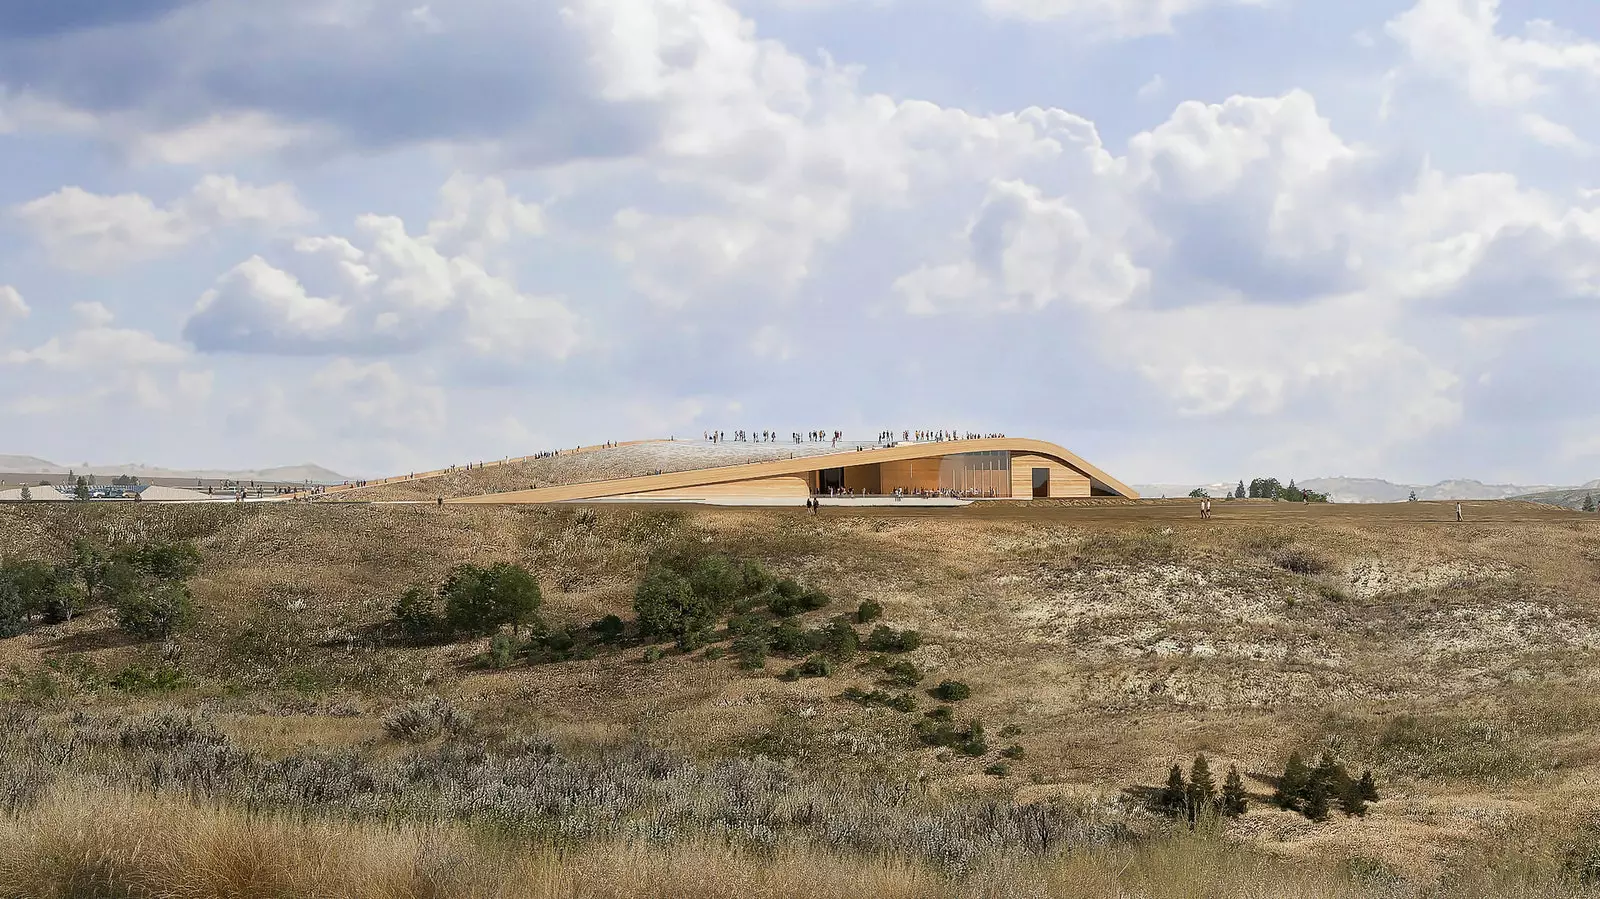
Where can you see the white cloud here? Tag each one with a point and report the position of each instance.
(1153, 88)
(373, 398)
(1459, 42)
(94, 345)
(12, 305)
(83, 230)
(1116, 18)
(388, 291)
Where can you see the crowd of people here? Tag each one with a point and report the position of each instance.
(885, 438)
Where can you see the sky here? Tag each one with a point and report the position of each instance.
(1189, 239)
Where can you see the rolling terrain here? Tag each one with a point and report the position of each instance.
(1110, 642)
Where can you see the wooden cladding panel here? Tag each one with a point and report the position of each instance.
(770, 488)
(863, 479)
(1065, 482)
(910, 475)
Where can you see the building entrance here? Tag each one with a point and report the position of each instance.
(830, 480)
(1041, 483)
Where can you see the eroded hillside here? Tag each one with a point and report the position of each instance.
(1455, 660)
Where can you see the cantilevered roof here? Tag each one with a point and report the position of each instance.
(800, 465)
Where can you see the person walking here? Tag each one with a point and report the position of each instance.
(1458, 511)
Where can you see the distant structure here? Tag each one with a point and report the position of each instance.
(987, 468)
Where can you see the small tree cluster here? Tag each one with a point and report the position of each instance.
(1311, 790)
(472, 601)
(144, 583)
(886, 639)
(1197, 796)
(902, 702)
(938, 730)
(1272, 488)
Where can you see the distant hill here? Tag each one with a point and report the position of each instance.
(316, 474)
(1570, 498)
(1376, 490)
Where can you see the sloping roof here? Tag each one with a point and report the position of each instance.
(799, 465)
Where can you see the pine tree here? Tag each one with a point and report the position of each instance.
(1238, 492)
(1316, 807)
(1292, 783)
(1332, 775)
(1368, 787)
(81, 491)
(1412, 498)
(1588, 502)
(26, 493)
(1352, 801)
(1202, 789)
(1234, 800)
(1175, 794)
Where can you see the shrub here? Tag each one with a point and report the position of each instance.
(693, 640)
(13, 611)
(153, 609)
(652, 654)
(788, 638)
(502, 651)
(868, 612)
(1014, 751)
(951, 691)
(424, 720)
(716, 583)
(609, 629)
(816, 666)
(1300, 560)
(414, 614)
(754, 580)
(788, 603)
(938, 731)
(904, 702)
(479, 601)
(942, 713)
(138, 679)
(167, 561)
(836, 638)
(886, 639)
(998, 769)
(902, 674)
(667, 605)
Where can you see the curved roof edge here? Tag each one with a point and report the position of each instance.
(698, 477)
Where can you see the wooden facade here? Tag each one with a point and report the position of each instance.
(1065, 482)
(909, 467)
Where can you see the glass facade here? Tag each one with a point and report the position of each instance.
(976, 474)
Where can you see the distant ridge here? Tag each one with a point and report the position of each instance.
(1377, 490)
(316, 474)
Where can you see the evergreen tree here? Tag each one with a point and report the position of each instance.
(1369, 788)
(1352, 801)
(1293, 782)
(81, 492)
(1234, 800)
(1330, 774)
(1588, 500)
(1412, 498)
(1202, 790)
(1316, 802)
(1176, 794)
(1238, 492)
(26, 493)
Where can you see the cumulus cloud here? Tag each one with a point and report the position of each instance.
(12, 305)
(1116, 18)
(387, 290)
(95, 345)
(83, 230)
(1460, 42)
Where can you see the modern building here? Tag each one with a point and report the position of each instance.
(998, 468)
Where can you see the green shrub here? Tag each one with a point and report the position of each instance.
(693, 640)
(652, 654)
(816, 666)
(1014, 751)
(415, 616)
(667, 605)
(716, 582)
(942, 713)
(480, 601)
(754, 580)
(788, 638)
(608, 629)
(783, 604)
(886, 639)
(938, 731)
(139, 679)
(868, 612)
(998, 769)
(904, 702)
(902, 674)
(714, 653)
(837, 638)
(951, 691)
(153, 609)
(502, 651)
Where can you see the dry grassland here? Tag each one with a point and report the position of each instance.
(1458, 661)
